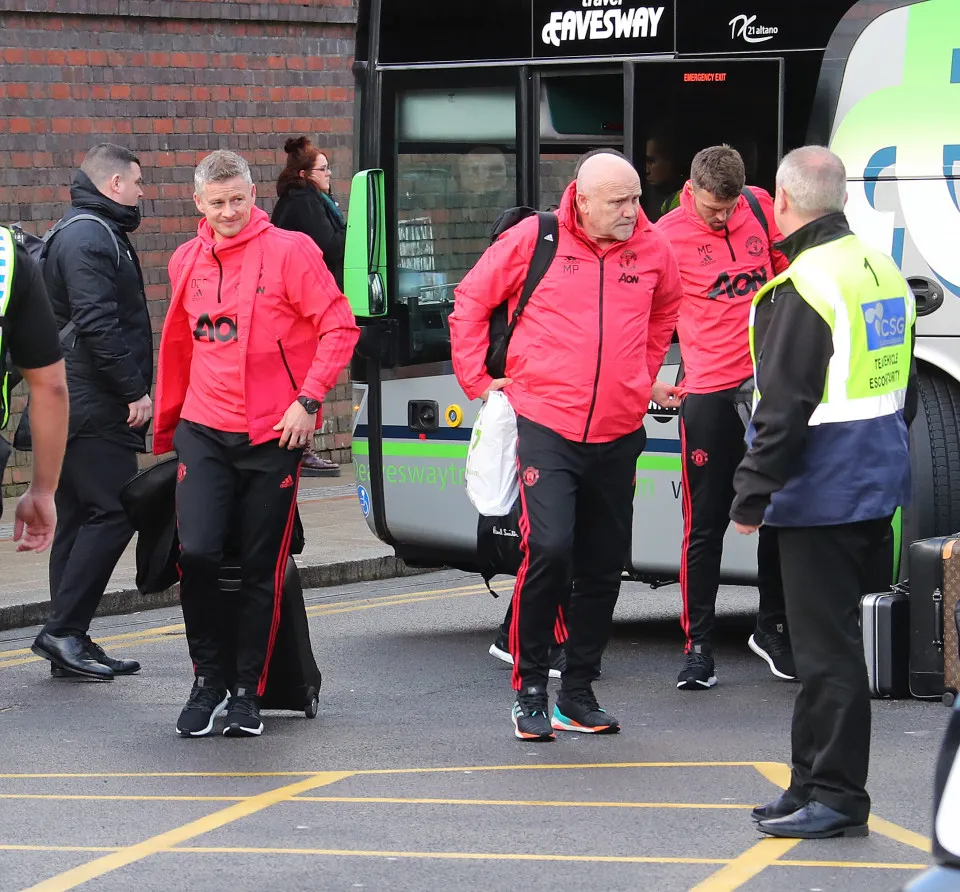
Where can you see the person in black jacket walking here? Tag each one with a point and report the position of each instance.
(306, 205)
(95, 282)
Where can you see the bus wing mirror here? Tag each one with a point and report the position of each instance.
(365, 253)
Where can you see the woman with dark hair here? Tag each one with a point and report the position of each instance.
(305, 205)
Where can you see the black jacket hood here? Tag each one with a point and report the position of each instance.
(83, 194)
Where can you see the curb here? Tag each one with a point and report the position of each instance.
(125, 601)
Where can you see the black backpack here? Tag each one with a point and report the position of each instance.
(546, 249)
(37, 246)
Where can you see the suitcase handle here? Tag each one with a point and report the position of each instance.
(938, 618)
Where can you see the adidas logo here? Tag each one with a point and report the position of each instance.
(287, 482)
(548, 237)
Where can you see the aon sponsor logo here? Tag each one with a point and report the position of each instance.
(740, 285)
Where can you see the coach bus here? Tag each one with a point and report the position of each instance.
(464, 109)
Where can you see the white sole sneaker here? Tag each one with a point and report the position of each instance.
(695, 684)
(760, 652)
(508, 659)
(221, 707)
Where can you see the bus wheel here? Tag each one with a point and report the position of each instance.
(934, 460)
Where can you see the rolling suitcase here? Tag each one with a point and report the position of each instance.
(293, 679)
(934, 590)
(885, 621)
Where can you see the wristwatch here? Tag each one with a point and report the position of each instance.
(310, 406)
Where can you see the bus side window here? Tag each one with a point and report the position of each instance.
(450, 192)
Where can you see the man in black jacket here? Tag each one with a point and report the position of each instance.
(95, 282)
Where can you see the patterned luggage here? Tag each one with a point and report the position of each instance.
(934, 595)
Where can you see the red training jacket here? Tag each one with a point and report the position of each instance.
(593, 336)
(295, 330)
(721, 270)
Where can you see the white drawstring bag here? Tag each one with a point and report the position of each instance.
(492, 482)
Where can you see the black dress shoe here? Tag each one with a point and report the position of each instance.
(119, 667)
(814, 821)
(70, 652)
(785, 804)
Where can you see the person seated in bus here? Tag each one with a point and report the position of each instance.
(725, 255)
(666, 171)
(578, 373)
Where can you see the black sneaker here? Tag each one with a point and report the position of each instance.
(697, 673)
(530, 721)
(579, 711)
(774, 647)
(558, 658)
(207, 700)
(243, 717)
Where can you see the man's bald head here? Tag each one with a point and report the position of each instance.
(608, 198)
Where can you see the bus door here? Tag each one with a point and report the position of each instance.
(680, 107)
(459, 146)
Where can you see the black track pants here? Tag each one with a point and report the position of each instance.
(575, 526)
(711, 439)
(233, 497)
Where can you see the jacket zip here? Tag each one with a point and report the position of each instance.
(596, 380)
(220, 281)
(286, 365)
(726, 235)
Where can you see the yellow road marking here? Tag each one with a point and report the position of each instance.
(100, 866)
(18, 848)
(454, 856)
(195, 850)
(779, 774)
(899, 834)
(170, 774)
(386, 800)
(856, 865)
(410, 800)
(373, 771)
(577, 766)
(101, 797)
(146, 636)
(745, 867)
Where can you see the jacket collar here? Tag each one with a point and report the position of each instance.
(818, 232)
(259, 222)
(84, 195)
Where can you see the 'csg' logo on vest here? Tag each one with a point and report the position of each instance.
(886, 322)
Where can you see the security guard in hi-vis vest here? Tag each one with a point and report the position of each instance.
(30, 349)
(832, 345)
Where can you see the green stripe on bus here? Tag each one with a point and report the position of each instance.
(433, 449)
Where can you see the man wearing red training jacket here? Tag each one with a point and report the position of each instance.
(578, 374)
(722, 235)
(256, 334)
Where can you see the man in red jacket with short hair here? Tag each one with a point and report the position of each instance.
(578, 373)
(725, 251)
(256, 334)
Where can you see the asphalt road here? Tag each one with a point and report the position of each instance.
(411, 778)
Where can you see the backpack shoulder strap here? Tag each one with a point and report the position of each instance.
(546, 249)
(63, 224)
(757, 210)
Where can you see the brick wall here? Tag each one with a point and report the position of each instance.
(171, 80)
